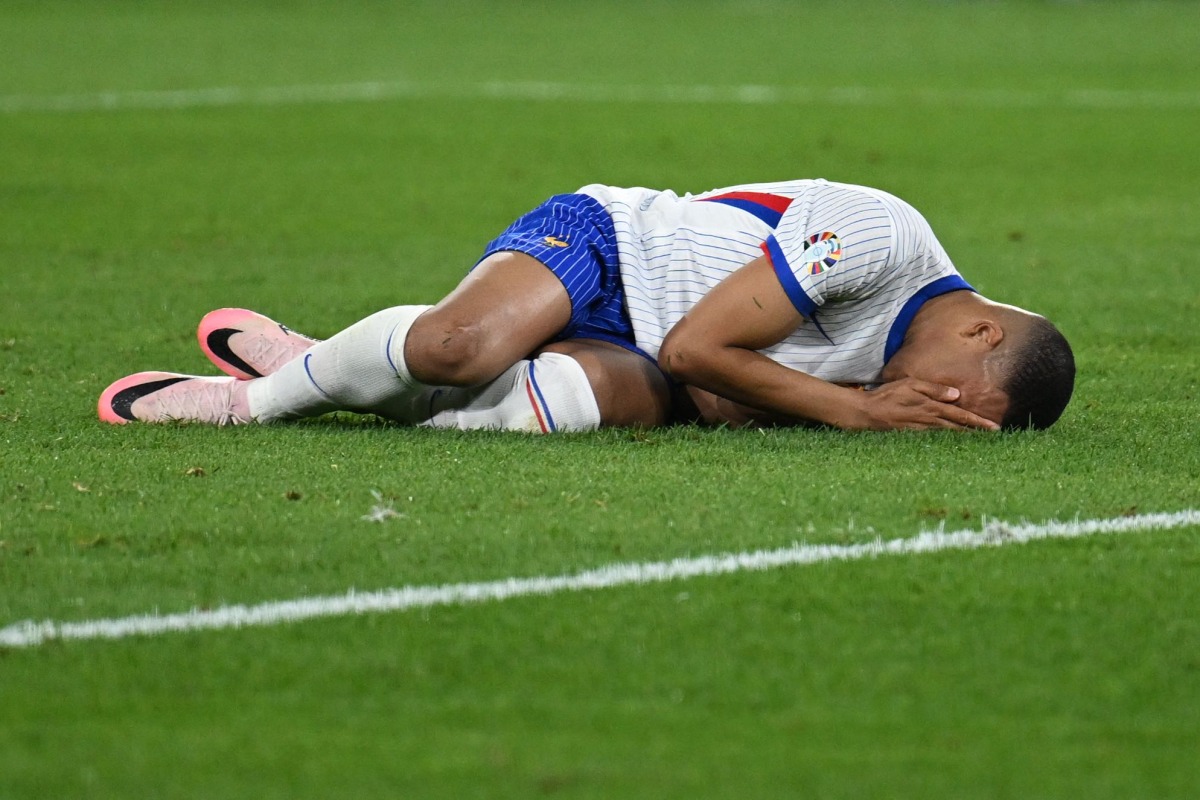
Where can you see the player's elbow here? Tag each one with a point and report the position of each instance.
(682, 356)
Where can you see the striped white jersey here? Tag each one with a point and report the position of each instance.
(856, 262)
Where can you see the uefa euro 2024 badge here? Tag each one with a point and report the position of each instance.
(821, 252)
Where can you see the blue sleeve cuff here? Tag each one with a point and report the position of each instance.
(783, 271)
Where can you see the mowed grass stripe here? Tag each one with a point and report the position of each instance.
(746, 94)
(993, 534)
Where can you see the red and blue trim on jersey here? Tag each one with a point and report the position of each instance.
(767, 207)
(791, 286)
(795, 292)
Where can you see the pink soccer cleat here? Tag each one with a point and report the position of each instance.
(246, 344)
(168, 396)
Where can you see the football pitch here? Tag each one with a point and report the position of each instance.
(348, 608)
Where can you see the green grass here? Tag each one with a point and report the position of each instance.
(1061, 669)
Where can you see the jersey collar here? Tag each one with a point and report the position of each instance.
(950, 283)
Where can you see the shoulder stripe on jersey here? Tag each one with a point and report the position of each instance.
(783, 271)
(950, 283)
(767, 207)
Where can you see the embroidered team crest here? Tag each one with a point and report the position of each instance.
(821, 252)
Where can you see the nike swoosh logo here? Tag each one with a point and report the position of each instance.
(123, 400)
(218, 343)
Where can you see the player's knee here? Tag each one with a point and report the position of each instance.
(449, 354)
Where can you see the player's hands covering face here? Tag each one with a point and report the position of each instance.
(914, 404)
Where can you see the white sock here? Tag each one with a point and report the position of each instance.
(359, 369)
(550, 393)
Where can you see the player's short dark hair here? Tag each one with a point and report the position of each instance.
(1041, 378)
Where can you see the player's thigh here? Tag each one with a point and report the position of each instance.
(630, 390)
(506, 308)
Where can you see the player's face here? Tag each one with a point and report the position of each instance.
(979, 390)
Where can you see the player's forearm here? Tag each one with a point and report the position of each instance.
(712, 409)
(750, 378)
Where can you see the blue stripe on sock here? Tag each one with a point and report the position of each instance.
(387, 351)
(312, 380)
(538, 391)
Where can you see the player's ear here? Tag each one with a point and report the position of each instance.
(985, 332)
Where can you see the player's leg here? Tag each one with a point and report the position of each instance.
(629, 388)
(579, 384)
(506, 307)
(572, 385)
(516, 300)
(542, 277)
(576, 384)
(503, 310)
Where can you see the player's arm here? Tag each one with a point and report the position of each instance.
(693, 404)
(714, 347)
(707, 408)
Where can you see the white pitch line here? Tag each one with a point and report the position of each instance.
(994, 534)
(542, 91)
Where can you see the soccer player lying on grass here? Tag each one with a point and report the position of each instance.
(766, 300)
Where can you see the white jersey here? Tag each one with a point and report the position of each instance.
(856, 262)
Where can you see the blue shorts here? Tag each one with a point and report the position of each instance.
(574, 237)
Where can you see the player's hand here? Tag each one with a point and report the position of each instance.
(913, 404)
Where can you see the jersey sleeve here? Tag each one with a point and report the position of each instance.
(836, 247)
